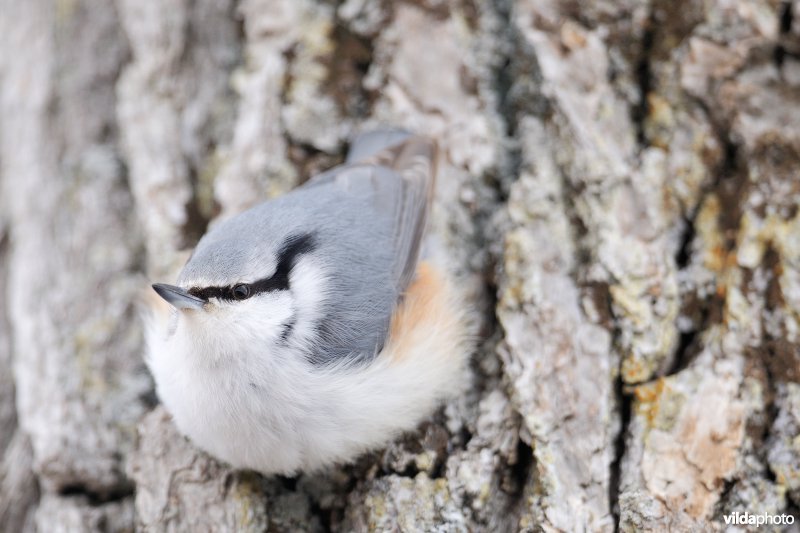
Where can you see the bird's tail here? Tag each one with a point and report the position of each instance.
(367, 144)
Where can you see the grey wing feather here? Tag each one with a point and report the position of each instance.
(399, 180)
(415, 162)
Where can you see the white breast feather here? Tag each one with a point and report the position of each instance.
(277, 413)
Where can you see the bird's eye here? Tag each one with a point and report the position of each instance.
(241, 291)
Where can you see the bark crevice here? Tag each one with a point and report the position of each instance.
(94, 498)
(624, 406)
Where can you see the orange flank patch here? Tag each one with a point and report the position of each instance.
(422, 305)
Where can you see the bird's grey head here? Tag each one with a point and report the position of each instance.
(220, 271)
(245, 280)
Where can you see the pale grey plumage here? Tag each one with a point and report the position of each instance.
(366, 219)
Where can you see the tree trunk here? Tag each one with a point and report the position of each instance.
(618, 197)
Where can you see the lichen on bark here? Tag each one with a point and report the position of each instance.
(617, 197)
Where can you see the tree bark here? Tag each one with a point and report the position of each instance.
(618, 198)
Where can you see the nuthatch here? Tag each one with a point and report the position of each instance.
(304, 330)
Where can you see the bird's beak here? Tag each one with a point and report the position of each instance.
(178, 297)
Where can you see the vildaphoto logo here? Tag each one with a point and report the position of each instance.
(737, 518)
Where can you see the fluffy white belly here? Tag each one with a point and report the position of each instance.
(278, 413)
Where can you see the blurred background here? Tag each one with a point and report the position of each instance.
(618, 196)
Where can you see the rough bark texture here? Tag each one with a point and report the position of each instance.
(619, 197)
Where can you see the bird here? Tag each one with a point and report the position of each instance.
(306, 331)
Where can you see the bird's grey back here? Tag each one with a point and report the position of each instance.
(351, 214)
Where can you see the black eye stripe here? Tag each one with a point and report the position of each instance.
(210, 292)
(292, 247)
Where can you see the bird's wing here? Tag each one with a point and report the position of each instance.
(398, 181)
(414, 162)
